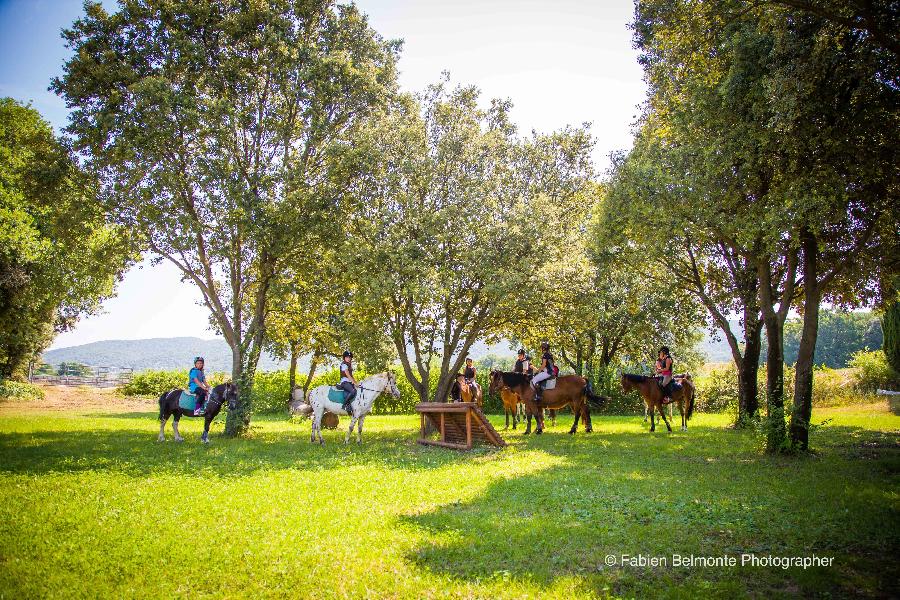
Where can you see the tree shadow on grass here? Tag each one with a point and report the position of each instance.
(134, 451)
(706, 493)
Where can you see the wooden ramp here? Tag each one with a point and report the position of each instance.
(460, 424)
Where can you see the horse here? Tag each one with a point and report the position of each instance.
(369, 389)
(570, 390)
(462, 391)
(511, 403)
(652, 394)
(168, 406)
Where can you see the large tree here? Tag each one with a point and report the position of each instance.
(59, 257)
(212, 125)
(459, 226)
(797, 114)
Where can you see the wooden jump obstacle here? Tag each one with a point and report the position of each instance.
(460, 424)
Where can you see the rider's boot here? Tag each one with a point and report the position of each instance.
(348, 407)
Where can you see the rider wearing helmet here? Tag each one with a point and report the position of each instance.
(469, 374)
(544, 372)
(522, 361)
(348, 382)
(664, 365)
(197, 385)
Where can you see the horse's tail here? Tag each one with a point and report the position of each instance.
(690, 406)
(162, 400)
(593, 398)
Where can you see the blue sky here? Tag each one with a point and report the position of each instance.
(560, 62)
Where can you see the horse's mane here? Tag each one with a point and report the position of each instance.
(634, 378)
(511, 379)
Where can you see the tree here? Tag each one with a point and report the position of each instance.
(212, 125)
(59, 257)
(618, 302)
(841, 334)
(458, 226)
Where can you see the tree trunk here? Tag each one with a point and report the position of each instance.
(748, 371)
(313, 365)
(803, 377)
(292, 374)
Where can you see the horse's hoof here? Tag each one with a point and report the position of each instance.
(160, 439)
(589, 431)
(571, 433)
(539, 432)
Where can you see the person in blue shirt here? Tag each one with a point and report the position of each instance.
(197, 385)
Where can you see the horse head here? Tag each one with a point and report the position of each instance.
(391, 385)
(496, 378)
(231, 395)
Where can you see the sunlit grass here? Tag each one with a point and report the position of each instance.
(91, 505)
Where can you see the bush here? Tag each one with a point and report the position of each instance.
(154, 383)
(717, 390)
(872, 371)
(20, 391)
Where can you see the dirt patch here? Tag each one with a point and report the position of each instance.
(62, 398)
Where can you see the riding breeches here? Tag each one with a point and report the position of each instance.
(349, 389)
(543, 375)
(200, 393)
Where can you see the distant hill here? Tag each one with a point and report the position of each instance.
(155, 353)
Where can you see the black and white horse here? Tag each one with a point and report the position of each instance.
(168, 406)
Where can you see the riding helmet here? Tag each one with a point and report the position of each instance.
(664, 349)
(521, 351)
(200, 358)
(348, 353)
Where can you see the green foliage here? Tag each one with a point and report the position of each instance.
(841, 334)
(873, 371)
(58, 256)
(18, 390)
(717, 389)
(153, 383)
(441, 211)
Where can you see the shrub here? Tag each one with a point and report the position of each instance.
(154, 383)
(872, 371)
(20, 391)
(717, 390)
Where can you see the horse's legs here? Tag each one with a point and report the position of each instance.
(652, 420)
(539, 418)
(178, 437)
(576, 410)
(646, 407)
(359, 429)
(662, 413)
(350, 431)
(588, 427)
(528, 418)
(207, 419)
(162, 427)
(681, 410)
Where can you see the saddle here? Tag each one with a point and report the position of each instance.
(188, 401)
(336, 394)
(548, 384)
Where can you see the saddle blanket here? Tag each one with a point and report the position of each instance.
(187, 401)
(549, 384)
(336, 395)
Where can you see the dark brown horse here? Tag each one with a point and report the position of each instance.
(652, 393)
(570, 390)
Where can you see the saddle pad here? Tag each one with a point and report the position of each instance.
(549, 384)
(187, 401)
(336, 395)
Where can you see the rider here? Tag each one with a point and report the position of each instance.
(544, 372)
(664, 364)
(348, 382)
(522, 365)
(197, 385)
(469, 376)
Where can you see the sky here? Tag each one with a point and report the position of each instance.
(561, 62)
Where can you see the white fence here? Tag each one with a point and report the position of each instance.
(95, 376)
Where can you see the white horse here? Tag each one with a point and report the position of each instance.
(369, 389)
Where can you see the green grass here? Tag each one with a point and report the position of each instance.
(91, 505)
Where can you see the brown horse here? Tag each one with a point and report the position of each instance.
(463, 392)
(510, 401)
(570, 390)
(652, 394)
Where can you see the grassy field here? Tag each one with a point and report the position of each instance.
(91, 505)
